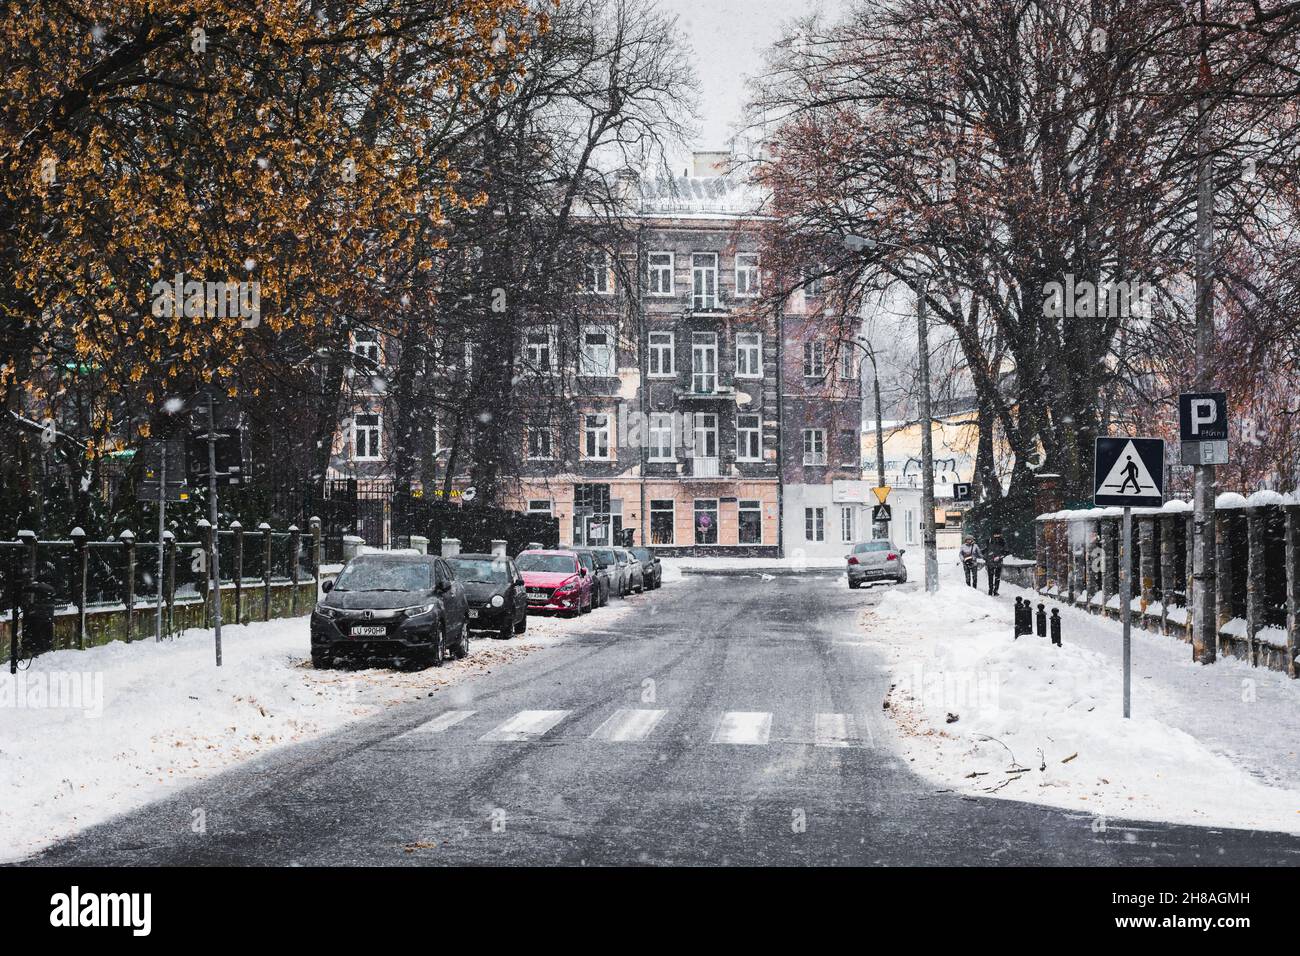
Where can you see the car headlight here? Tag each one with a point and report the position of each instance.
(497, 600)
(418, 610)
(324, 611)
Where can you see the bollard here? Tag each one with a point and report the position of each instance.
(1016, 626)
(1056, 627)
(1041, 621)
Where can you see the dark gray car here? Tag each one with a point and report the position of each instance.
(635, 574)
(602, 576)
(877, 560)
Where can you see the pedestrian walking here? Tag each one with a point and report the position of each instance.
(970, 558)
(993, 558)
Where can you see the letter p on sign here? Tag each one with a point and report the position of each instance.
(1204, 412)
(1203, 416)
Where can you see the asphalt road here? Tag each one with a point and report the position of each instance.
(733, 720)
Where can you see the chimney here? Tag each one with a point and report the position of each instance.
(709, 163)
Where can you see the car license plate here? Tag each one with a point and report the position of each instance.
(369, 630)
(473, 612)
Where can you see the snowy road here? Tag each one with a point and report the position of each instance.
(735, 720)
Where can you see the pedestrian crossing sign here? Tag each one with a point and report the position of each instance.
(1129, 472)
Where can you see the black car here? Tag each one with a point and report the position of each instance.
(494, 589)
(406, 607)
(602, 579)
(651, 568)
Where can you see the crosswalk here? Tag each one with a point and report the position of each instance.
(735, 728)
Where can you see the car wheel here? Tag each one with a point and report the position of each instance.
(521, 625)
(854, 584)
(439, 652)
(462, 648)
(321, 661)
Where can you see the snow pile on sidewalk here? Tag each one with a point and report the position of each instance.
(983, 714)
(86, 735)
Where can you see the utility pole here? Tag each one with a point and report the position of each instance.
(927, 446)
(1204, 623)
(215, 557)
(880, 432)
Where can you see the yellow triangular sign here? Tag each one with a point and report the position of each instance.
(882, 493)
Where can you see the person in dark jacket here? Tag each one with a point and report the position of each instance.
(993, 557)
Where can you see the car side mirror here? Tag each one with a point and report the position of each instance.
(902, 551)
(327, 586)
(582, 572)
(443, 587)
(519, 581)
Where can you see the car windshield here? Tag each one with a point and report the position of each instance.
(371, 574)
(604, 558)
(547, 563)
(642, 554)
(623, 556)
(586, 559)
(872, 546)
(480, 571)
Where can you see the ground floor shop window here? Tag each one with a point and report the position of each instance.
(663, 520)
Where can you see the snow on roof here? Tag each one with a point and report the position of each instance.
(725, 195)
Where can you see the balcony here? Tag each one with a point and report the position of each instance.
(703, 467)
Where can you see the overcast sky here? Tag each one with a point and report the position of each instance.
(728, 38)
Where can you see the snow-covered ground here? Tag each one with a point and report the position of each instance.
(788, 564)
(86, 735)
(1210, 745)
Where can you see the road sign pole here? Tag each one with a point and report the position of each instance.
(162, 528)
(927, 446)
(215, 561)
(1126, 602)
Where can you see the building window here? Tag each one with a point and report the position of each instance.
(661, 436)
(848, 369)
(663, 520)
(660, 273)
(704, 363)
(596, 272)
(746, 274)
(814, 358)
(846, 524)
(749, 355)
(597, 358)
(539, 443)
(704, 281)
(539, 506)
(814, 446)
(751, 522)
(706, 520)
(814, 281)
(366, 430)
(539, 349)
(814, 524)
(706, 435)
(595, 436)
(749, 438)
(909, 523)
(661, 354)
(365, 346)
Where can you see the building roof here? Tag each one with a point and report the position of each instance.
(727, 195)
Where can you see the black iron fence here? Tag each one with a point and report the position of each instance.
(475, 526)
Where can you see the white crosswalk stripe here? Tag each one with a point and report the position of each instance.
(440, 723)
(525, 725)
(837, 730)
(628, 724)
(743, 727)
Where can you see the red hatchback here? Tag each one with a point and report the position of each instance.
(555, 581)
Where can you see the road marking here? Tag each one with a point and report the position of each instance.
(837, 730)
(628, 724)
(440, 723)
(526, 725)
(743, 727)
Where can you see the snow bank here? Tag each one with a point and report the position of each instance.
(1209, 746)
(150, 718)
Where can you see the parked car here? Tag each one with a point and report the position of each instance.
(406, 607)
(602, 581)
(555, 581)
(652, 568)
(876, 560)
(635, 574)
(494, 591)
(607, 561)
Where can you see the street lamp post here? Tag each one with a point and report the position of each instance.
(870, 353)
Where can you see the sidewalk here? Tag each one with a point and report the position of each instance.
(1210, 745)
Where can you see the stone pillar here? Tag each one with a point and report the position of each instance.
(1189, 527)
(206, 531)
(1223, 571)
(498, 548)
(317, 546)
(83, 568)
(450, 547)
(238, 530)
(128, 544)
(351, 547)
(1091, 561)
(266, 570)
(1292, 591)
(420, 543)
(1109, 563)
(169, 554)
(1255, 585)
(1167, 583)
(1040, 556)
(1146, 562)
(295, 556)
